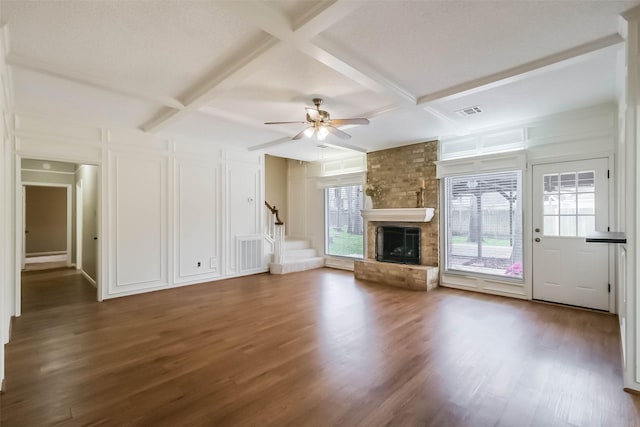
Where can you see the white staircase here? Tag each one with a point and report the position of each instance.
(298, 256)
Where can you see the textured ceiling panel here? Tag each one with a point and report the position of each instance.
(586, 83)
(280, 91)
(433, 45)
(205, 127)
(55, 97)
(399, 127)
(163, 47)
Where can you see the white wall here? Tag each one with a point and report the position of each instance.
(628, 255)
(6, 209)
(166, 204)
(306, 182)
(87, 175)
(580, 134)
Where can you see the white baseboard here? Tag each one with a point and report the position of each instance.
(46, 258)
(89, 278)
(37, 254)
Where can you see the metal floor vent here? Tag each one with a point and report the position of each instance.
(249, 254)
(469, 111)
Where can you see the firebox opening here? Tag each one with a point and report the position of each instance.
(398, 244)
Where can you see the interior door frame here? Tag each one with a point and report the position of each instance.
(69, 215)
(19, 219)
(613, 219)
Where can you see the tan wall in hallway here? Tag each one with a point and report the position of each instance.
(46, 219)
(275, 169)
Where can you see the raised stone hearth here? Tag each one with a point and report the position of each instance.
(414, 277)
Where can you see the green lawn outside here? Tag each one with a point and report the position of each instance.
(342, 243)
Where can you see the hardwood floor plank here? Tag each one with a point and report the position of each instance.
(306, 349)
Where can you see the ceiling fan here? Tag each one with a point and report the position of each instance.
(321, 124)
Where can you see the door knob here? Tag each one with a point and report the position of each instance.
(537, 239)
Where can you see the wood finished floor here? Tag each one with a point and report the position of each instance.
(314, 348)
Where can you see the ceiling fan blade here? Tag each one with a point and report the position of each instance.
(285, 123)
(301, 134)
(313, 114)
(340, 122)
(337, 132)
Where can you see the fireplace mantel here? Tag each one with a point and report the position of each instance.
(398, 215)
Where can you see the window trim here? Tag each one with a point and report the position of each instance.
(346, 183)
(519, 281)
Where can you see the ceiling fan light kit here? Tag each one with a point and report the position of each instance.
(321, 124)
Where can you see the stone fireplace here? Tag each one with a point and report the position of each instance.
(400, 173)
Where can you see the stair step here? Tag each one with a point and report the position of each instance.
(291, 254)
(296, 244)
(292, 266)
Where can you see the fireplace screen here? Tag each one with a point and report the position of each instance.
(398, 244)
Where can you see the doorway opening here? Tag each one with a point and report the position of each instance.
(60, 223)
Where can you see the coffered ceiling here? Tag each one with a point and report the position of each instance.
(217, 70)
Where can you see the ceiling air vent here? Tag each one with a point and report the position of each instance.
(469, 111)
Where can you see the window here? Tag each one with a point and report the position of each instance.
(483, 222)
(343, 222)
(569, 204)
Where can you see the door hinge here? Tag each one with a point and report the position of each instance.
(609, 288)
(608, 174)
(608, 228)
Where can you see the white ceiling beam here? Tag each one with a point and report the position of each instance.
(525, 71)
(348, 65)
(326, 16)
(220, 81)
(276, 24)
(270, 144)
(98, 82)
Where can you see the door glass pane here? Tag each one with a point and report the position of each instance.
(586, 181)
(586, 224)
(550, 226)
(567, 204)
(568, 226)
(586, 203)
(568, 182)
(551, 205)
(550, 183)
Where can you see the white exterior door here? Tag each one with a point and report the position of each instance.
(570, 199)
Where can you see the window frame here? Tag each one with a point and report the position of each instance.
(445, 227)
(326, 190)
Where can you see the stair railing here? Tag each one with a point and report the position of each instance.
(275, 230)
